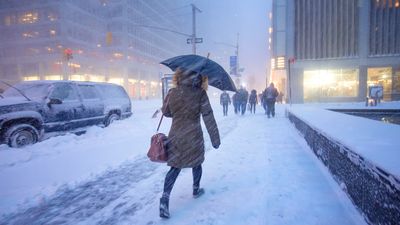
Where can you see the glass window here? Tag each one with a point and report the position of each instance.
(381, 76)
(88, 92)
(64, 92)
(330, 84)
(31, 90)
(28, 17)
(396, 85)
(113, 91)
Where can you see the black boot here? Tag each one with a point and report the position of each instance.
(164, 208)
(197, 192)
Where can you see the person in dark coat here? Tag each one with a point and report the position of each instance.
(253, 101)
(270, 95)
(186, 103)
(225, 100)
(236, 103)
(243, 98)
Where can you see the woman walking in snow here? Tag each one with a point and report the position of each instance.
(185, 103)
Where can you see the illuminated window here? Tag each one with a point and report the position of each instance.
(280, 63)
(30, 34)
(52, 33)
(118, 55)
(28, 17)
(381, 76)
(52, 16)
(272, 63)
(324, 84)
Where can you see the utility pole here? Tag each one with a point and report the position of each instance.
(237, 55)
(194, 38)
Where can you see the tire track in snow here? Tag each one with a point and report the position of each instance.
(109, 190)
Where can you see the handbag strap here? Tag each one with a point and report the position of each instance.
(162, 114)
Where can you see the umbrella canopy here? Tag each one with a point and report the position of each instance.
(217, 76)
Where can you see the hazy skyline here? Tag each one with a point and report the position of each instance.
(221, 20)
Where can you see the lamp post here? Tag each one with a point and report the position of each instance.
(290, 61)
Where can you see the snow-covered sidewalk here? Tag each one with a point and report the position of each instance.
(263, 173)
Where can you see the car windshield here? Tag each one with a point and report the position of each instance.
(33, 91)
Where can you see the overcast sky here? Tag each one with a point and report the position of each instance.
(221, 20)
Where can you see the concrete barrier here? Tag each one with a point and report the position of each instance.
(374, 191)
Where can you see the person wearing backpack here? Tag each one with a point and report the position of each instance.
(269, 96)
(253, 101)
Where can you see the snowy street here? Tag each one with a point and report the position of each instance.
(263, 173)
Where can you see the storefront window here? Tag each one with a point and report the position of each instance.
(381, 76)
(323, 84)
(396, 85)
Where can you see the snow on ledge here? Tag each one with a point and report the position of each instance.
(377, 141)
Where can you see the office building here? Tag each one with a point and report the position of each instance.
(335, 49)
(117, 41)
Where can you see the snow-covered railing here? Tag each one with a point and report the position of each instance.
(374, 191)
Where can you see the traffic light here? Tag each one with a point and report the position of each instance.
(67, 54)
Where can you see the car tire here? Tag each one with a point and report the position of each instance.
(111, 118)
(21, 135)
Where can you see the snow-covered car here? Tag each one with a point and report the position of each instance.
(31, 109)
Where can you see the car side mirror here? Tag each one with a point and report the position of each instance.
(54, 101)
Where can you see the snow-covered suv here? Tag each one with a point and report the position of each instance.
(31, 109)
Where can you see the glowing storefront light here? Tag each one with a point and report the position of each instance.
(53, 77)
(381, 76)
(77, 77)
(132, 81)
(95, 78)
(29, 78)
(330, 84)
(118, 81)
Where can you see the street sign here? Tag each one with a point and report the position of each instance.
(197, 40)
(233, 65)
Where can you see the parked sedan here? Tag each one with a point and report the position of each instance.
(30, 109)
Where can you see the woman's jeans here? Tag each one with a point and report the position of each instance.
(173, 173)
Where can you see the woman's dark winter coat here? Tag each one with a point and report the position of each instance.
(185, 105)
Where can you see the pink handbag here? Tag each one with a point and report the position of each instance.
(158, 146)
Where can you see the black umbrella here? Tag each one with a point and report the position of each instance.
(217, 76)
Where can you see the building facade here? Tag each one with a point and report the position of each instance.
(333, 50)
(117, 41)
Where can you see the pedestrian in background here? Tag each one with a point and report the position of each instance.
(185, 104)
(225, 100)
(236, 102)
(269, 96)
(253, 101)
(243, 99)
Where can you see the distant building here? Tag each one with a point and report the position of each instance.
(339, 48)
(114, 41)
